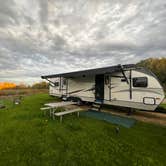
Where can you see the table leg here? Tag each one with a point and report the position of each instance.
(50, 111)
(78, 114)
(53, 117)
(60, 118)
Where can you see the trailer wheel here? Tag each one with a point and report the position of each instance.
(69, 99)
(75, 99)
(79, 102)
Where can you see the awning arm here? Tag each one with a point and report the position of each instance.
(50, 81)
(122, 70)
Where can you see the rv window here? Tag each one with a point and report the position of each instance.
(56, 83)
(140, 82)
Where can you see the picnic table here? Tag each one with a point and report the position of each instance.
(53, 106)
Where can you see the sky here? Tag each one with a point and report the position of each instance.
(39, 37)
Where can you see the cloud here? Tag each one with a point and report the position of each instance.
(44, 37)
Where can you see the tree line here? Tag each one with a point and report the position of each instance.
(38, 85)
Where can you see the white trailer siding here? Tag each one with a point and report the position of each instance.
(120, 90)
(82, 87)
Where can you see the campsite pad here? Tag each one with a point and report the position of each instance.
(123, 121)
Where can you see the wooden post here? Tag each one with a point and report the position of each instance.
(78, 114)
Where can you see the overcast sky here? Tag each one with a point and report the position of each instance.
(39, 37)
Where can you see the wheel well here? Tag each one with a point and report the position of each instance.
(75, 99)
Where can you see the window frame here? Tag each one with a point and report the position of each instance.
(136, 86)
(56, 84)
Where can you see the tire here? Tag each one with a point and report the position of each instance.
(79, 102)
(75, 99)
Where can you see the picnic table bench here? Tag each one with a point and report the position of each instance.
(45, 109)
(60, 114)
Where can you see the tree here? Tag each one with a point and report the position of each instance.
(40, 85)
(7, 85)
(157, 66)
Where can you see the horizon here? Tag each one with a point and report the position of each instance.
(47, 37)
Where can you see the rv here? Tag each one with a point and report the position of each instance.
(121, 85)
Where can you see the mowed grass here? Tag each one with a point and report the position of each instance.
(162, 108)
(163, 105)
(27, 137)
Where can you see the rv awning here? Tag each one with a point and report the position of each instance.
(104, 70)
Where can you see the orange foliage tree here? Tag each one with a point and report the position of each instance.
(7, 85)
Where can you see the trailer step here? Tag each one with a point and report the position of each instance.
(94, 109)
(96, 105)
(64, 98)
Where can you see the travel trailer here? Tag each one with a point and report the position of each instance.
(121, 85)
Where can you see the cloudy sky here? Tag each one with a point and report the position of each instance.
(39, 37)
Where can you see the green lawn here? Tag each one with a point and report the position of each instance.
(162, 108)
(163, 105)
(29, 138)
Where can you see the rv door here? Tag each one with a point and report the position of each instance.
(99, 87)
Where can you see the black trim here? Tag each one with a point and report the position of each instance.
(110, 89)
(79, 90)
(91, 89)
(149, 98)
(139, 89)
(130, 79)
(117, 76)
(67, 86)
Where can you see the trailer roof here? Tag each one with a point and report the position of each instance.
(103, 70)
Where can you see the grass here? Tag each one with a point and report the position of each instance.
(20, 92)
(162, 108)
(29, 138)
(163, 105)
